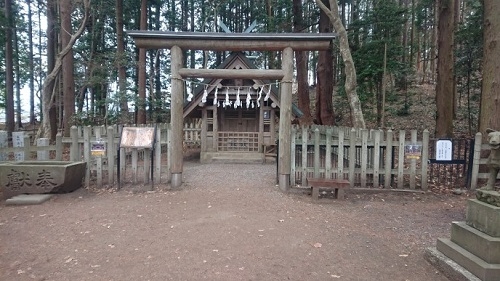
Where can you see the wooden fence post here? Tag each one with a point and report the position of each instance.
(478, 142)
(304, 155)
(413, 161)
(401, 158)
(42, 155)
(364, 156)
(74, 152)
(157, 156)
(98, 159)
(86, 153)
(376, 158)
(59, 147)
(352, 155)
(340, 156)
(110, 152)
(3, 143)
(388, 160)
(169, 152)
(316, 153)
(425, 159)
(328, 156)
(293, 168)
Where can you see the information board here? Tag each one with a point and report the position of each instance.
(413, 151)
(444, 150)
(137, 137)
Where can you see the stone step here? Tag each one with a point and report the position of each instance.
(238, 158)
(478, 243)
(471, 262)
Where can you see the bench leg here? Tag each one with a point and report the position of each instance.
(315, 193)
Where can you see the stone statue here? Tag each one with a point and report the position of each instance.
(494, 159)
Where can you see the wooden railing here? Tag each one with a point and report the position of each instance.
(238, 142)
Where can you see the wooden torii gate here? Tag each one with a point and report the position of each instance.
(287, 43)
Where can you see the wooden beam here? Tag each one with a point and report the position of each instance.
(176, 119)
(285, 150)
(271, 74)
(232, 41)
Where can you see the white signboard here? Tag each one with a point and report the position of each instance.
(18, 141)
(444, 151)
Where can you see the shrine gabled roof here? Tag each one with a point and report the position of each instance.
(198, 92)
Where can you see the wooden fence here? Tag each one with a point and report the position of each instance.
(367, 158)
(373, 158)
(137, 165)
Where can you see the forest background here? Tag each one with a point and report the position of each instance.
(75, 62)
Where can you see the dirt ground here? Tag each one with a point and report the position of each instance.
(227, 222)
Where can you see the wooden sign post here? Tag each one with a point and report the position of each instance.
(135, 138)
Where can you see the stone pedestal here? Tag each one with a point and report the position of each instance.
(475, 243)
(38, 177)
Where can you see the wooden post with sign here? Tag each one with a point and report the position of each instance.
(136, 138)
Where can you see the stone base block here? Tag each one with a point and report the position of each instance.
(476, 242)
(483, 217)
(38, 177)
(483, 270)
(447, 266)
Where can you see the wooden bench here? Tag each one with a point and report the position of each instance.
(337, 185)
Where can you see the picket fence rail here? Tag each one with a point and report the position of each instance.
(367, 158)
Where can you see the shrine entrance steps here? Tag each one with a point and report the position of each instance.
(232, 158)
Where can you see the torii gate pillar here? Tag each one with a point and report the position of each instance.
(176, 119)
(284, 156)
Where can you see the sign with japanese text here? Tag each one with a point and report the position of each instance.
(444, 150)
(137, 137)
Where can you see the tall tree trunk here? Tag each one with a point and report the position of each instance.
(357, 118)
(490, 97)
(9, 69)
(31, 65)
(270, 28)
(324, 88)
(121, 60)
(47, 129)
(445, 75)
(18, 82)
(141, 99)
(301, 62)
(68, 77)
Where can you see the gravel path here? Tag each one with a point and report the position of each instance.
(228, 222)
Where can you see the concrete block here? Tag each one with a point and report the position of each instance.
(476, 242)
(28, 199)
(483, 217)
(447, 266)
(38, 177)
(471, 262)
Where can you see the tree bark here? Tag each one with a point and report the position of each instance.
(31, 65)
(9, 70)
(120, 63)
(304, 101)
(490, 98)
(445, 75)
(324, 87)
(47, 130)
(68, 77)
(357, 118)
(141, 99)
